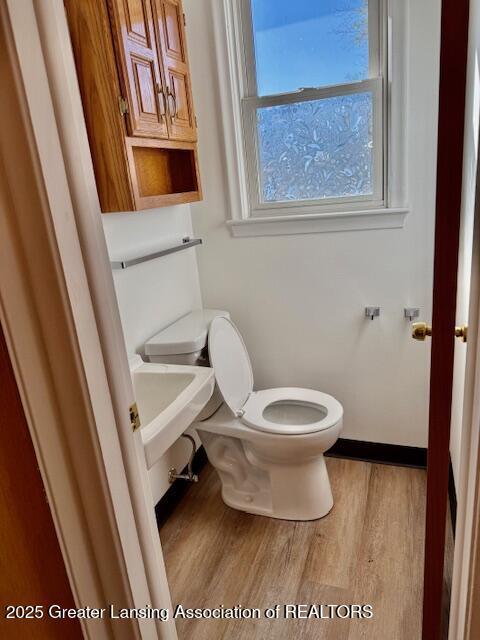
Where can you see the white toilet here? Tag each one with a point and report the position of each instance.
(267, 446)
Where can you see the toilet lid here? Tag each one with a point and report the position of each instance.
(230, 362)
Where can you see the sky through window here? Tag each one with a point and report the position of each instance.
(309, 43)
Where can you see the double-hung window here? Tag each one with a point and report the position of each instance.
(310, 86)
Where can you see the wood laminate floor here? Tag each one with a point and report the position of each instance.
(368, 550)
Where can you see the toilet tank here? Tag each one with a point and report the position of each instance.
(185, 342)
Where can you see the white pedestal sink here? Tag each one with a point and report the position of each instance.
(169, 397)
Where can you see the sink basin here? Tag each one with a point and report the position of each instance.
(169, 397)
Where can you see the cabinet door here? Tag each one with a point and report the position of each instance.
(140, 72)
(171, 32)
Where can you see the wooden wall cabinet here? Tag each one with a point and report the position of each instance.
(132, 67)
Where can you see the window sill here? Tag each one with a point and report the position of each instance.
(319, 223)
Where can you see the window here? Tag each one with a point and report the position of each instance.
(308, 83)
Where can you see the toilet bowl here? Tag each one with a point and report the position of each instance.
(267, 446)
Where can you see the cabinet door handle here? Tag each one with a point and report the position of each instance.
(161, 100)
(171, 94)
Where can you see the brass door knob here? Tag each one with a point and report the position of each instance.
(420, 330)
(461, 332)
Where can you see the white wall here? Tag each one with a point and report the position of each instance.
(154, 294)
(466, 231)
(299, 300)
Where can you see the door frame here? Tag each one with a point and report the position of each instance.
(56, 294)
(464, 623)
(82, 295)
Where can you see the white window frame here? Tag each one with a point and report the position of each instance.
(386, 208)
(249, 112)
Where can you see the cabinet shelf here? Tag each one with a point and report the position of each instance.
(163, 171)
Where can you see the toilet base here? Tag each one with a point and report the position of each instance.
(299, 491)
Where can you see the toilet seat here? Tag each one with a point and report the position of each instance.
(282, 411)
(310, 411)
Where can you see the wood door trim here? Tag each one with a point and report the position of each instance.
(41, 264)
(451, 118)
(471, 566)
